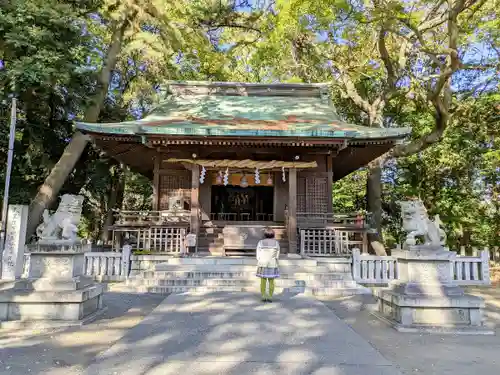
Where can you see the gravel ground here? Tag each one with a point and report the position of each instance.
(69, 351)
(424, 353)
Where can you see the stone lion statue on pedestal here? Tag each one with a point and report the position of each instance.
(62, 224)
(416, 223)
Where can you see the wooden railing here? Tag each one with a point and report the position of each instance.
(331, 241)
(308, 219)
(147, 218)
(241, 217)
(373, 269)
(161, 239)
(470, 270)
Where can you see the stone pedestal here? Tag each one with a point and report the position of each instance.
(55, 292)
(425, 298)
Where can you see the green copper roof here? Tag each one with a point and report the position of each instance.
(242, 115)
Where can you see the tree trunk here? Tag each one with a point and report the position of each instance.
(374, 205)
(115, 201)
(58, 175)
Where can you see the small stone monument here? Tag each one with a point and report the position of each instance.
(55, 292)
(425, 297)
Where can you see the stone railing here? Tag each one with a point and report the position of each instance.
(472, 270)
(373, 269)
(331, 241)
(380, 270)
(101, 266)
(108, 266)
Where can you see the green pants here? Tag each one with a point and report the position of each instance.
(263, 285)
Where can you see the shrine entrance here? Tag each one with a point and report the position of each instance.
(236, 203)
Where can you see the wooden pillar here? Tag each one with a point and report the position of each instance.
(292, 211)
(195, 199)
(329, 169)
(156, 183)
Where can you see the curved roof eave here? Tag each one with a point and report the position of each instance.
(189, 128)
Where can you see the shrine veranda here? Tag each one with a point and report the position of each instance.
(228, 159)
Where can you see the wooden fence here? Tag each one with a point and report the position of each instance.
(380, 270)
(331, 241)
(160, 239)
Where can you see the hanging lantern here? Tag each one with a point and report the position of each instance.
(244, 182)
(283, 176)
(257, 176)
(226, 177)
(218, 179)
(269, 179)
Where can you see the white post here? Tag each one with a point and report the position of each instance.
(356, 263)
(302, 242)
(485, 266)
(15, 238)
(126, 252)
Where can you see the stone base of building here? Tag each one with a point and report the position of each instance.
(451, 313)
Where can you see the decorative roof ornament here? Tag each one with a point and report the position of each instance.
(257, 176)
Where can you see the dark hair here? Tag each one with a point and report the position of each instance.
(268, 233)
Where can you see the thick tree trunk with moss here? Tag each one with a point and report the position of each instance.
(374, 205)
(58, 175)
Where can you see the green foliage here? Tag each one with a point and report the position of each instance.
(52, 51)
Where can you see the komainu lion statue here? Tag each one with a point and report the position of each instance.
(62, 224)
(416, 223)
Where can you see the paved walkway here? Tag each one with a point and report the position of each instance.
(235, 334)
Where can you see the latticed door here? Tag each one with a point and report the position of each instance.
(175, 184)
(317, 195)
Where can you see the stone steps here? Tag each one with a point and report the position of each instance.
(329, 277)
(247, 282)
(320, 291)
(237, 274)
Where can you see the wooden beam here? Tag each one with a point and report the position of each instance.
(292, 210)
(329, 170)
(195, 200)
(156, 182)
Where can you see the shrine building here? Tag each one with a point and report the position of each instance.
(228, 159)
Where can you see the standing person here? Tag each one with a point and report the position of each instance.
(268, 252)
(190, 243)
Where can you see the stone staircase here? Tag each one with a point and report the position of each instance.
(330, 277)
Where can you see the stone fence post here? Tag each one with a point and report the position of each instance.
(356, 264)
(126, 252)
(485, 266)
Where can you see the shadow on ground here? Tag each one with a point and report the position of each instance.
(69, 351)
(423, 353)
(235, 334)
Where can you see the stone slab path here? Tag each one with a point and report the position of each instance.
(236, 334)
